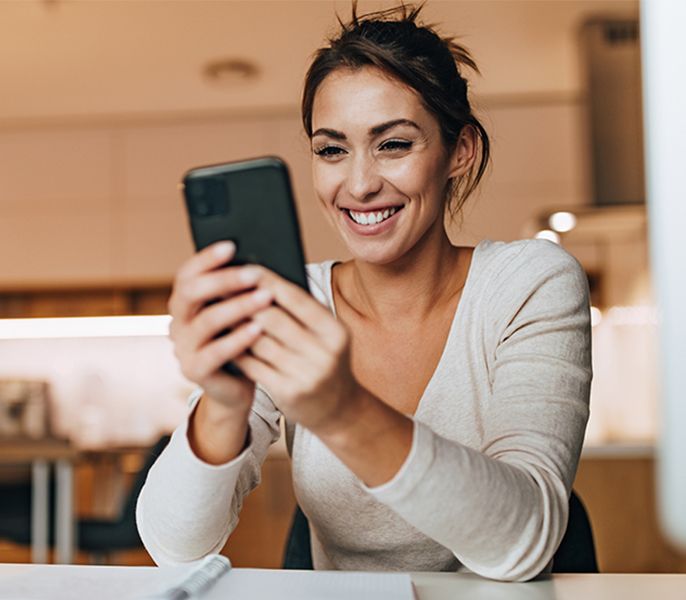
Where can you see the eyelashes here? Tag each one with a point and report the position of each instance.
(389, 147)
(328, 151)
(396, 145)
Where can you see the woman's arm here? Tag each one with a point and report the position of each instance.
(502, 510)
(189, 507)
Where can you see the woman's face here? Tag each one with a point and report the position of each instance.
(380, 167)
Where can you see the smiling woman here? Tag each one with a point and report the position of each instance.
(435, 396)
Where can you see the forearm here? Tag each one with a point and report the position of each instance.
(217, 434)
(501, 519)
(188, 507)
(370, 437)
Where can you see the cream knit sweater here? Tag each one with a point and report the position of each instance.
(497, 437)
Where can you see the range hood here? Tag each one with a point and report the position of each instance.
(612, 64)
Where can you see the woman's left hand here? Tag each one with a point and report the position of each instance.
(302, 358)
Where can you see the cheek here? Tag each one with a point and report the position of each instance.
(326, 182)
(421, 177)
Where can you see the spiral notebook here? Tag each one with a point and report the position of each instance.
(214, 579)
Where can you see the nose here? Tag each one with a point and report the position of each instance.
(363, 180)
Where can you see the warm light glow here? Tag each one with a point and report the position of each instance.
(596, 316)
(84, 327)
(547, 234)
(632, 315)
(562, 221)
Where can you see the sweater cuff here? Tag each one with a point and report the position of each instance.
(413, 470)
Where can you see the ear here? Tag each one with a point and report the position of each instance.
(464, 154)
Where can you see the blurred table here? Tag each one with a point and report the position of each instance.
(41, 455)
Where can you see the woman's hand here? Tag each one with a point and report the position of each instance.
(302, 358)
(207, 300)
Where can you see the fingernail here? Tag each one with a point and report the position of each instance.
(249, 275)
(224, 249)
(254, 328)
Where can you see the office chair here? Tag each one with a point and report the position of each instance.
(100, 537)
(576, 553)
(15, 510)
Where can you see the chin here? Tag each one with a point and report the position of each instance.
(375, 256)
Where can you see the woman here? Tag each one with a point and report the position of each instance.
(437, 395)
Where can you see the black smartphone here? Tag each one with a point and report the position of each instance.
(250, 203)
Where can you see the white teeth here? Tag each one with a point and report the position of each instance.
(372, 218)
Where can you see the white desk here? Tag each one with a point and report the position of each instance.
(58, 582)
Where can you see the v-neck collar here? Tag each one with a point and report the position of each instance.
(328, 280)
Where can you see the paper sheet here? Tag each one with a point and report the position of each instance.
(262, 584)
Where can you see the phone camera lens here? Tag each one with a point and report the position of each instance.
(203, 208)
(208, 197)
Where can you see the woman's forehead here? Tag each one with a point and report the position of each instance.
(364, 97)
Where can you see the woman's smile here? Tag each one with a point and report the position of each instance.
(372, 221)
(379, 164)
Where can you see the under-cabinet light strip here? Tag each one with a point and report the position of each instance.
(84, 327)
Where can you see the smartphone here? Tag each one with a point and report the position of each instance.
(250, 203)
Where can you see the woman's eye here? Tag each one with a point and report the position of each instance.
(329, 151)
(395, 145)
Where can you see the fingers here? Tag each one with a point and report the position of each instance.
(310, 313)
(207, 259)
(288, 332)
(194, 288)
(226, 314)
(201, 364)
(259, 371)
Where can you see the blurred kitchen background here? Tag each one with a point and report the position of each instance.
(105, 104)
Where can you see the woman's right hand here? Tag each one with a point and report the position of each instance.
(196, 325)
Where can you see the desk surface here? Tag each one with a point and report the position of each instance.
(58, 582)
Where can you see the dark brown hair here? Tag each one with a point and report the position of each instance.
(393, 41)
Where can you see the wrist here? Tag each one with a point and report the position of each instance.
(348, 423)
(218, 412)
(217, 433)
(370, 437)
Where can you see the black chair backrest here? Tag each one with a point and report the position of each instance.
(576, 553)
(129, 508)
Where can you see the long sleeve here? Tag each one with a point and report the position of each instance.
(188, 508)
(502, 509)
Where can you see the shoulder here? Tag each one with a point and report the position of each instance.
(520, 264)
(536, 274)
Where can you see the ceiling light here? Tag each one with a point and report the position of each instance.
(230, 71)
(562, 221)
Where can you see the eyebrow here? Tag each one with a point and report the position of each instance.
(373, 132)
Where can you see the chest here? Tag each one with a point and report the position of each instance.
(397, 366)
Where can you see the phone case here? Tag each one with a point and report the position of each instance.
(251, 203)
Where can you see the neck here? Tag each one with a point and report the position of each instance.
(409, 289)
